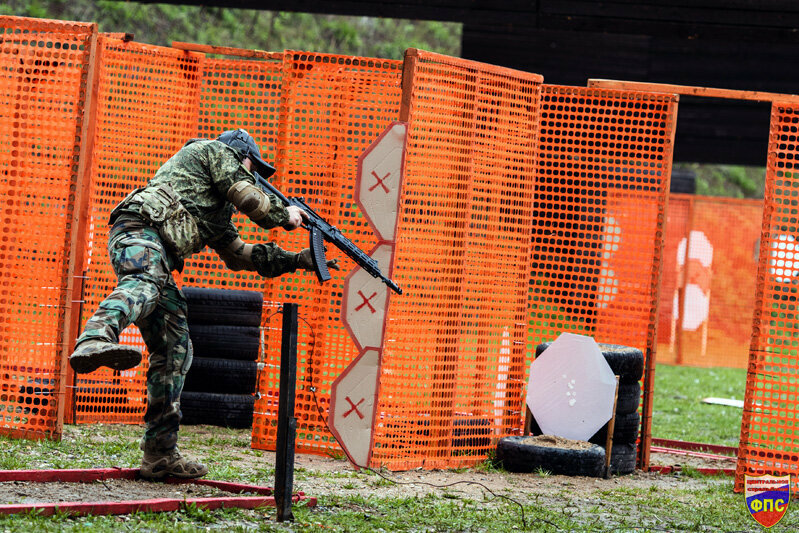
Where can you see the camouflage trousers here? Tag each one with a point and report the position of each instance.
(146, 295)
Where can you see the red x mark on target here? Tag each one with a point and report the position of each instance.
(354, 407)
(366, 302)
(379, 182)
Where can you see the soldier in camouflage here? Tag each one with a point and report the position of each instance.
(187, 205)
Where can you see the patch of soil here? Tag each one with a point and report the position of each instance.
(480, 483)
(552, 441)
(109, 490)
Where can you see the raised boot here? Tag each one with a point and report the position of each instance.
(155, 465)
(91, 354)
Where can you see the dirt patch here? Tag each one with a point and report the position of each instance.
(323, 476)
(110, 490)
(551, 441)
(342, 479)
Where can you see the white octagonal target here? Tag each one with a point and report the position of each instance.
(379, 180)
(571, 388)
(365, 300)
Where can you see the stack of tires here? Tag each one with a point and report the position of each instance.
(225, 331)
(628, 364)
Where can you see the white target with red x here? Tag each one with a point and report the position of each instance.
(352, 406)
(353, 396)
(363, 310)
(379, 177)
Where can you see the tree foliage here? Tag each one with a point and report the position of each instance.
(160, 24)
(727, 180)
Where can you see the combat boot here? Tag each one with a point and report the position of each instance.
(155, 465)
(91, 354)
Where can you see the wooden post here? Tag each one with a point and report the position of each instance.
(679, 337)
(611, 428)
(73, 296)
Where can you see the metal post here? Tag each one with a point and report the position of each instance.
(286, 423)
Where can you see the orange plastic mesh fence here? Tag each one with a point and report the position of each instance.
(717, 287)
(603, 178)
(332, 108)
(147, 107)
(245, 94)
(43, 70)
(770, 431)
(319, 163)
(453, 362)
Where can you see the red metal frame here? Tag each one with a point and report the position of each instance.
(696, 446)
(265, 498)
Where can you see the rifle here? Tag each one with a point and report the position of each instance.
(319, 231)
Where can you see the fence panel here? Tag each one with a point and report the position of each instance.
(453, 366)
(769, 430)
(715, 287)
(603, 174)
(236, 93)
(332, 108)
(147, 108)
(43, 72)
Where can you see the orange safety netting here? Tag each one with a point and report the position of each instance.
(236, 93)
(454, 354)
(43, 70)
(602, 182)
(147, 105)
(332, 108)
(319, 160)
(715, 288)
(769, 431)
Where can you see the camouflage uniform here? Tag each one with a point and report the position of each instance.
(146, 294)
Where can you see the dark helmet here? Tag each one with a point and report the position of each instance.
(243, 142)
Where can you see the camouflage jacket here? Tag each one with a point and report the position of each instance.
(201, 173)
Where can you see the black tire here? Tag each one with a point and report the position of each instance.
(223, 306)
(222, 376)
(629, 398)
(623, 458)
(625, 430)
(226, 342)
(625, 362)
(522, 454)
(223, 410)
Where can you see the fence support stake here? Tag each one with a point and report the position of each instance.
(286, 423)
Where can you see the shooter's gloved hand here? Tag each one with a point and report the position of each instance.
(305, 262)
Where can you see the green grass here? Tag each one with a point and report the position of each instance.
(679, 413)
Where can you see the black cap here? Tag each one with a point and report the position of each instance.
(243, 142)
